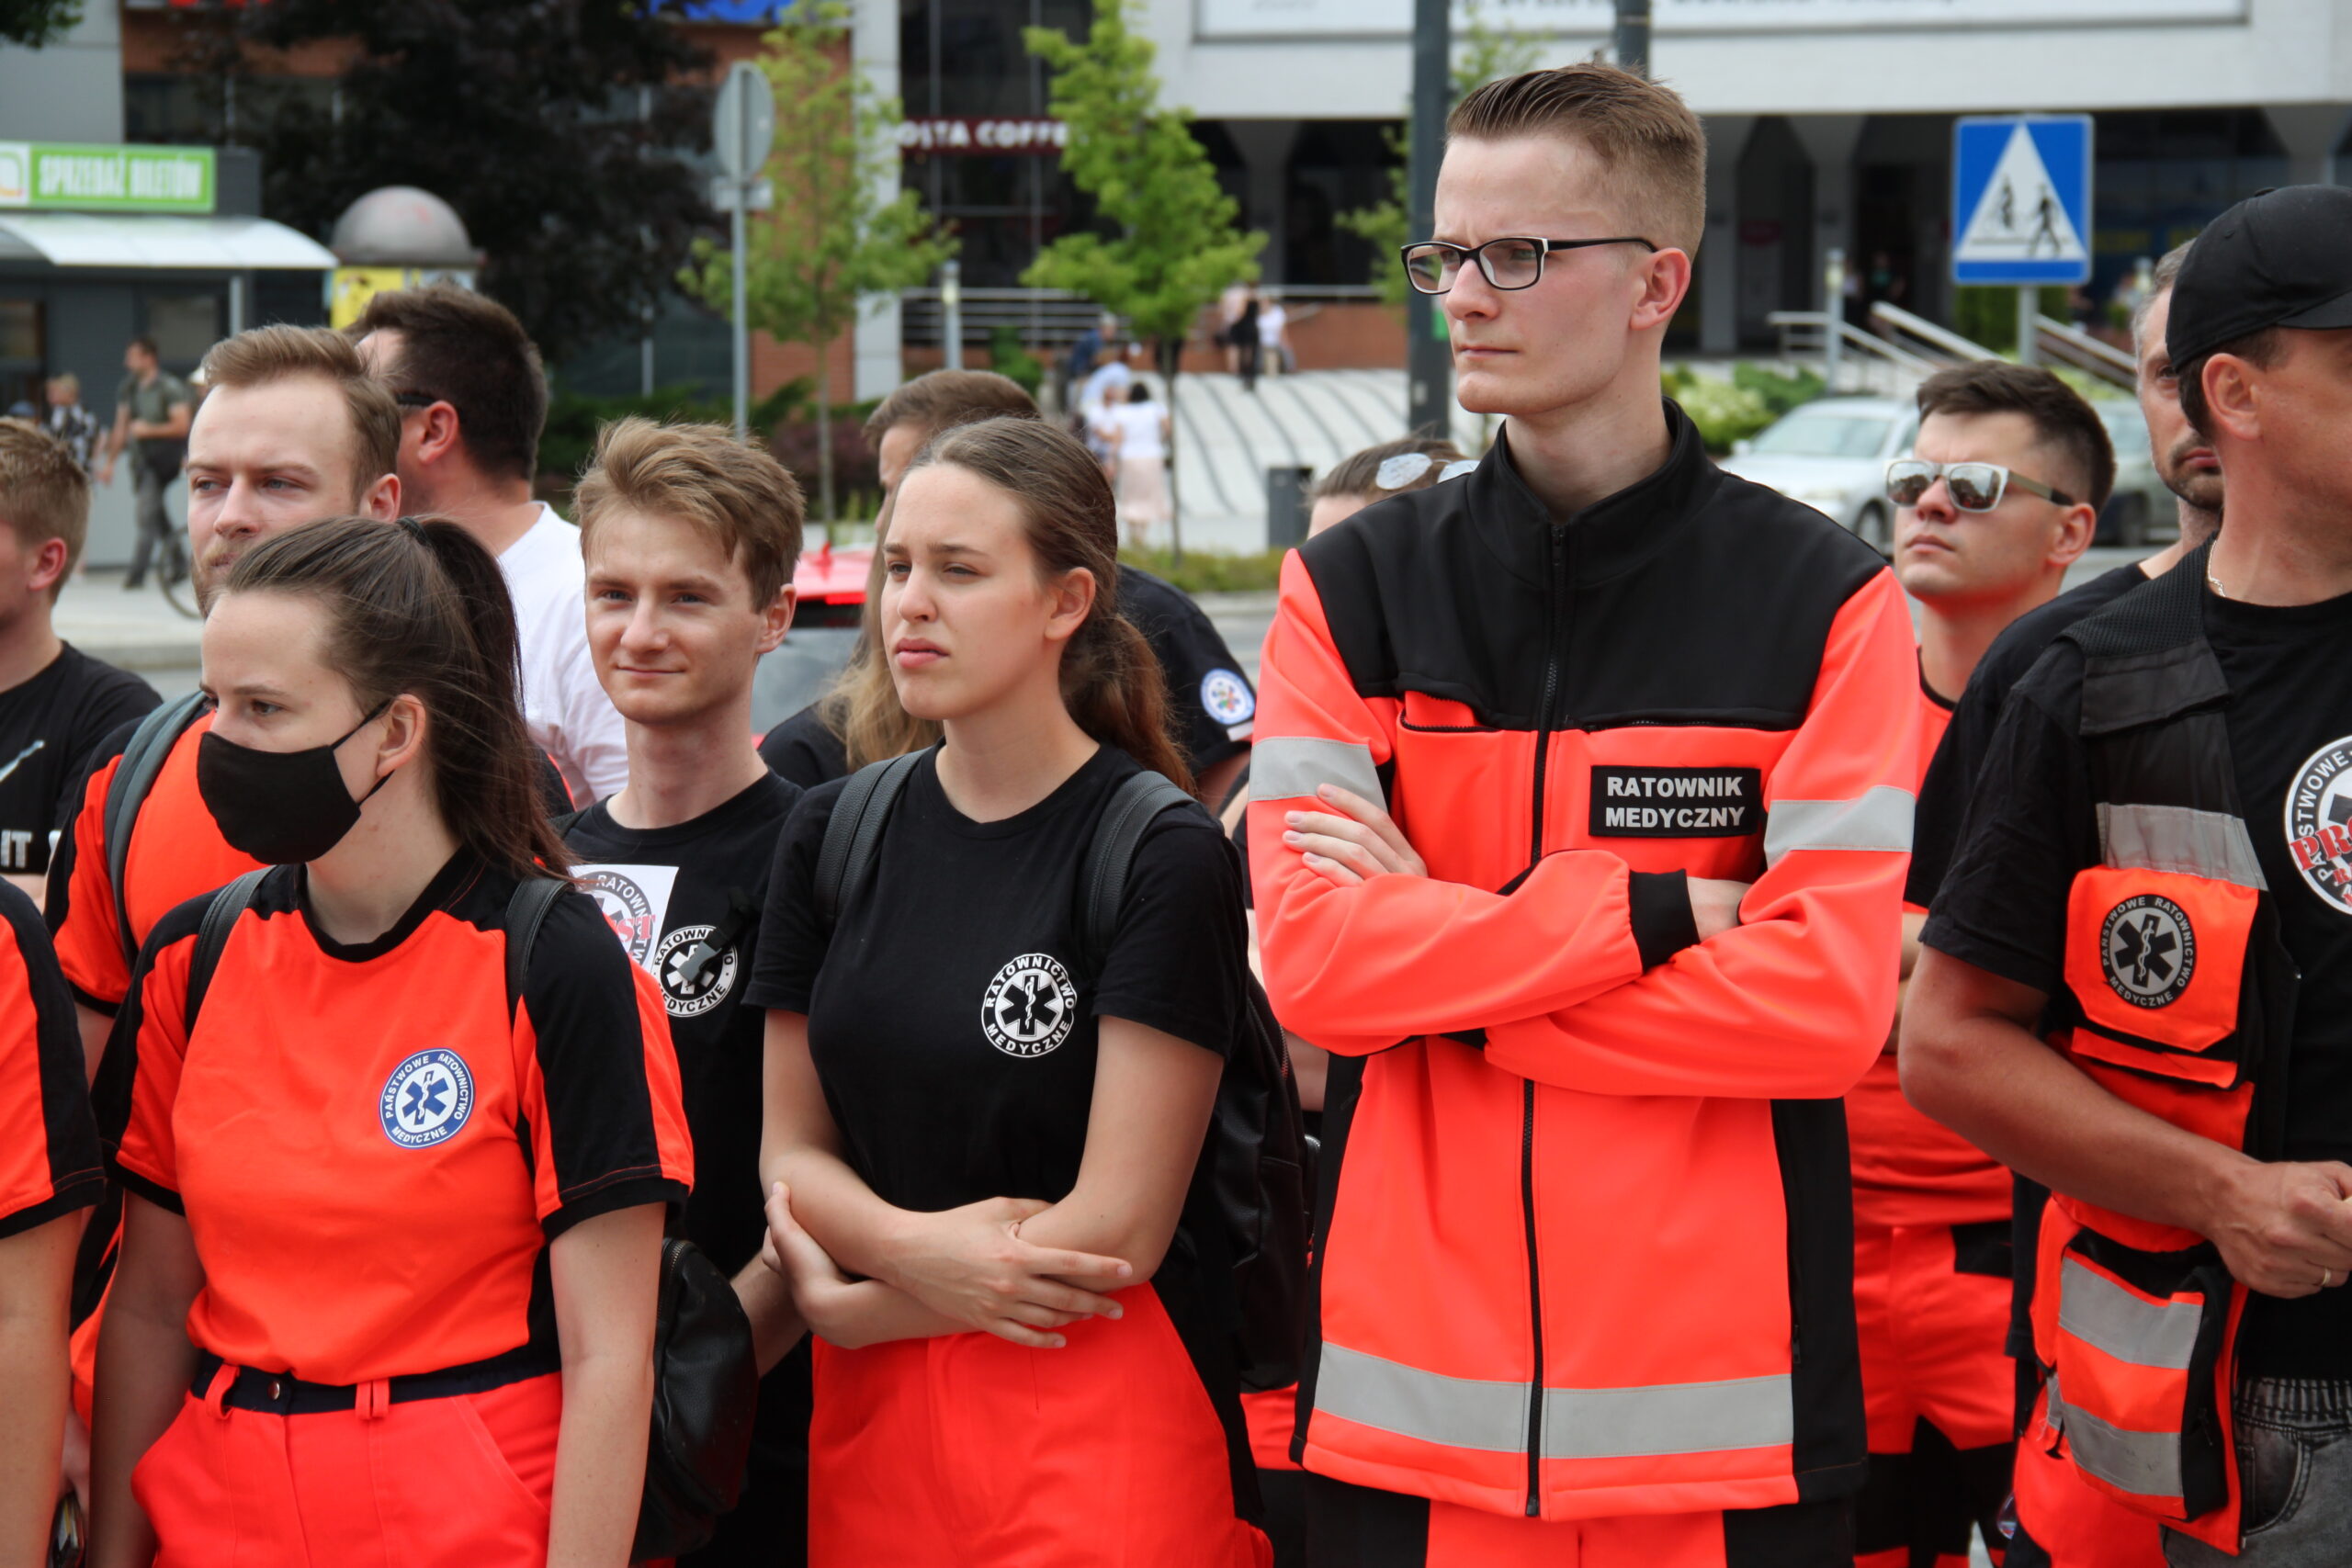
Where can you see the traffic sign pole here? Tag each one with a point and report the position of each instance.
(742, 130)
(2028, 324)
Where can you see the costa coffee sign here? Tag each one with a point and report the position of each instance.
(983, 138)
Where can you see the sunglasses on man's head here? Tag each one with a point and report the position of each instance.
(1976, 487)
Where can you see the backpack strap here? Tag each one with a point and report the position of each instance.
(853, 833)
(220, 917)
(1118, 832)
(134, 778)
(740, 913)
(525, 913)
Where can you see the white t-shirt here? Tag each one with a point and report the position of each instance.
(1138, 428)
(1108, 384)
(569, 715)
(1271, 320)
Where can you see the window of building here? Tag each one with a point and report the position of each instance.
(183, 326)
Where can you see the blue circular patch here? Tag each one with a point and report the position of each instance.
(426, 1099)
(1227, 698)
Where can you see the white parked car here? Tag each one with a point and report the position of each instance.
(1832, 455)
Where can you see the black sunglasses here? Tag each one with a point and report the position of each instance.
(1513, 262)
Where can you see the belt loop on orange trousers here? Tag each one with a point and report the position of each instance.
(375, 1398)
(216, 1392)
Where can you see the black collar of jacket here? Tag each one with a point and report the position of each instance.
(1614, 535)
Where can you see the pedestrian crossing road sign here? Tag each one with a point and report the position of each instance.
(2021, 200)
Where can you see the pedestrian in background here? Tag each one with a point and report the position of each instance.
(1138, 430)
(153, 411)
(1273, 337)
(1248, 344)
(71, 423)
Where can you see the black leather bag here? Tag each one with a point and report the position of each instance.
(706, 1391)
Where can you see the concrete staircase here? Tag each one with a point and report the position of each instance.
(1226, 438)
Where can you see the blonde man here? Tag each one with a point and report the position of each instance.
(690, 537)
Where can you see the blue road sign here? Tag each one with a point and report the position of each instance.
(2021, 200)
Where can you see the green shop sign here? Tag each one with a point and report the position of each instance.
(48, 176)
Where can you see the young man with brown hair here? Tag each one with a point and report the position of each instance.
(2132, 988)
(473, 399)
(2005, 485)
(56, 702)
(690, 538)
(1211, 706)
(1580, 807)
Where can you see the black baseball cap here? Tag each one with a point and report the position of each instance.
(2282, 258)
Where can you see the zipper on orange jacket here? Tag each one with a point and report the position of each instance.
(1557, 552)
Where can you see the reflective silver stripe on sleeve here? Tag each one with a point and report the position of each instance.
(1879, 818)
(2103, 1314)
(1291, 767)
(2145, 1464)
(2211, 844)
(1458, 1413)
(1578, 1423)
(1669, 1418)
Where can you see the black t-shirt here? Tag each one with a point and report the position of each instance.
(49, 726)
(1211, 705)
(1951, 775)
(666, 891)
(801, 751)
(2032, 826)
(952, 1019)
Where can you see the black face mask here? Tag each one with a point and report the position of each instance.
(280, 807)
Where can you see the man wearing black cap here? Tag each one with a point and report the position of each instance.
(2156, 873)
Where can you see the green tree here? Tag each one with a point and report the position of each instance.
(1166, 243)
(557, 129)
(33, 24)
(1484, 53)
(833, 237)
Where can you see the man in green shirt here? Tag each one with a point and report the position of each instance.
(153, 407)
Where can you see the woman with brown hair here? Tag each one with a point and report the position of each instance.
(996, 1133)
(392, 1230)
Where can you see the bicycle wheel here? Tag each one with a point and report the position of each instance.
(179, 584)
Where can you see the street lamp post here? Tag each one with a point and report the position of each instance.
(1429, 356)
(1633, 36)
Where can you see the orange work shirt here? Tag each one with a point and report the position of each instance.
(372, 1157)
(1909, 1170)
(48, 1146)
(176, 853)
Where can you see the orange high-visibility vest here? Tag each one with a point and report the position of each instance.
(2178, 988)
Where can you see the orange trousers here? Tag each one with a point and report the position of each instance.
(1931, 1313)
(972, 1450)
(465, 1479)
(1360, 1527)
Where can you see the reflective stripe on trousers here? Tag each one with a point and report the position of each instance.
(1578, 1423)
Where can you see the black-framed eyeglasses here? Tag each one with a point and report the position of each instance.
(1976, 487)
(1513, 262)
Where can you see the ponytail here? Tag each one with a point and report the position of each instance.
(420, 607)
(1110, 682)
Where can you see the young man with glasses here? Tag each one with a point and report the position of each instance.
(2133, 988)
(473, 399)
(2010, 469)
(1582, 794)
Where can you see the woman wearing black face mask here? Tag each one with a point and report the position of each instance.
(387, 1286)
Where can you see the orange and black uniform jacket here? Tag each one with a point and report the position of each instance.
(1584, 1246)
(48, 1146)
(1909, 1170)
(176, 853)
(372, 1154)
